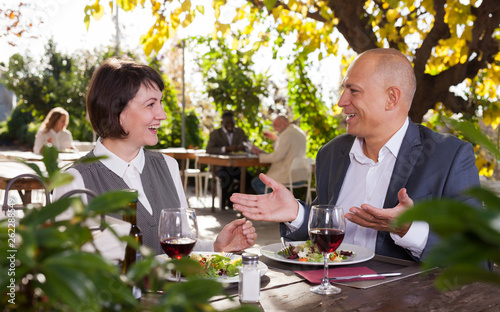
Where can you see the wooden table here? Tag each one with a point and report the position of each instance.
(182, 154)
(283, 290)
(241, 161)
(9, 169)
(24, 186)
(30, 156)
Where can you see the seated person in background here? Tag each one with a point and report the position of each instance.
(290, 143)
(124, 106)
(225, 140)
(53, 130)
(379, 167)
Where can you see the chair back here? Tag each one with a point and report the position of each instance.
(6, 206)
(300, 170)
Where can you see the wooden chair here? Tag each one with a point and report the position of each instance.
(198, 176)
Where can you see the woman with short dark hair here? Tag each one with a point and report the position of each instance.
(124, 107)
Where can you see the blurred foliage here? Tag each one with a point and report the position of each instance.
(16, 22)
(320, 124)
(49, 271)
(169, 133)
(58, 80)
(469, 236)
(485, 161)
(232, 84)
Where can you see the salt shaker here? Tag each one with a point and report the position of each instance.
(249, 287)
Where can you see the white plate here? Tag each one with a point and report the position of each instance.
(361, 254)
(223, 279)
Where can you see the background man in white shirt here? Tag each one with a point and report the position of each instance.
(290, 143)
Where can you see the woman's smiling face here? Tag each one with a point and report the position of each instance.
(142, 117)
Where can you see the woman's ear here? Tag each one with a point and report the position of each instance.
(393, 98)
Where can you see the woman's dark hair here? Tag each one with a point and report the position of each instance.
(112, 86)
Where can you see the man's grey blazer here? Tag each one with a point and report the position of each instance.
(429, 165)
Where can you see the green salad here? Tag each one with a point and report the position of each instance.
(307, 252)
(216, 265)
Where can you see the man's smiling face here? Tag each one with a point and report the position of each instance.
(364, 97)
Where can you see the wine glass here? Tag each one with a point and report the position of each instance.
(178, 232)
(326, 228)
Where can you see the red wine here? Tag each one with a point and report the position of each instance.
(177, 247)
(327, 240)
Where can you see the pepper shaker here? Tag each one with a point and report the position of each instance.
(249, 286)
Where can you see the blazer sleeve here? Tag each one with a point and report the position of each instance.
(302, 233)
(463, 175)
(215, 143)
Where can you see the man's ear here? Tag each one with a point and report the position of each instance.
(393, 98)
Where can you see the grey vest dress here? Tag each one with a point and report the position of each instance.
(158, 186)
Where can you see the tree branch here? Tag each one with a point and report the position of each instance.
(439, 31)
(457, 104)
(483, 44)
(354, 24)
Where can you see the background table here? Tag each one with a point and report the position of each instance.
(182, 154)
(25, 186)
(241, 161)
(30, 156)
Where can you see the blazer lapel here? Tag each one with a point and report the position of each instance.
(223, 137)
(409, 153)
(340, 162)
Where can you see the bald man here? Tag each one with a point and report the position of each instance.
(383, 161)
(290, 143)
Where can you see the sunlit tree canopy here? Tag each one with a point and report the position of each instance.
(450, 42)
(13, 23)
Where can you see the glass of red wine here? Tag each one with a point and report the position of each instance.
(326, 228)
(178, 232)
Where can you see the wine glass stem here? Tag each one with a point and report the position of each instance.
(177, 276)
(325, 270)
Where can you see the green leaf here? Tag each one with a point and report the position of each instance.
(37, 216)
(63, 235)
(110, 202)
(475, 135)
(456, 250)
(76, 277)
(450, 217)
(189, 295)
(454, 277)
(140, 269)
(444, 216)
(270, 4)
(35, 168)
(59, 178)
(50, 159)
(488, 197)
(88, 159)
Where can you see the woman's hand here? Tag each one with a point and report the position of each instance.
(237, 235)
